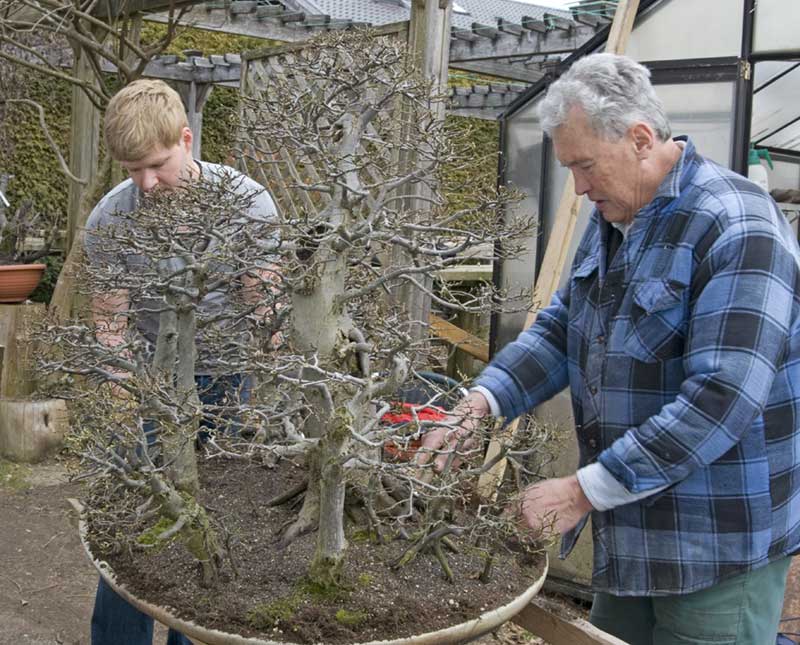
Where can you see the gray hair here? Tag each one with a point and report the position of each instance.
(613, 91)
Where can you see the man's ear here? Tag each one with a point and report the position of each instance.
(643, 138)
(186, 139)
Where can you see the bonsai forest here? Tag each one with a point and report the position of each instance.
(318, 343)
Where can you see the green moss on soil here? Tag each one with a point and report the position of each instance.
(14, 476)
(266, 616)
(350, 618)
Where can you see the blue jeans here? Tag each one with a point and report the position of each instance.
(114, 620)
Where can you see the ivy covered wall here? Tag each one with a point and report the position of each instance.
(26, 154)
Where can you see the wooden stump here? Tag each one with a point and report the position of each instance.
(30, 430)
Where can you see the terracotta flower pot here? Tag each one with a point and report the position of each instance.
(17, 281)
(461, 633)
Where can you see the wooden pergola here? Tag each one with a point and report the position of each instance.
(518, 52)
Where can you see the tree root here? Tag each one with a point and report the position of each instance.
(429, 539)
(305, 522)
(288, 495)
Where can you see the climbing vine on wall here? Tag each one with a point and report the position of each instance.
(25, 153)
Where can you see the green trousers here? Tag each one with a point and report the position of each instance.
(743, 610)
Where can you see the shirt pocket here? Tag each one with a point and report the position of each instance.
(658, 320)
(583, 277)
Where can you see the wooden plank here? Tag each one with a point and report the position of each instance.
(460, 364)
(555, 255)
(459, 338)
(544, 622)
(466, 273)
(622, 26)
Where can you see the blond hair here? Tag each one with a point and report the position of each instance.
(141, 117)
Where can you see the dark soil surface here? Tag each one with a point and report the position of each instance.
(379, 603)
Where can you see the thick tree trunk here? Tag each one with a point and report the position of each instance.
(179, 445)
(326, 566)
(191, 525)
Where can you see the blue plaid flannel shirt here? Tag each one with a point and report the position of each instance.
(683, 359)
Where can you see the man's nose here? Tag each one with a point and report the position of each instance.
(148, 181)
(581, 185)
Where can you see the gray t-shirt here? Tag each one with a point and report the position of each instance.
(125, 197)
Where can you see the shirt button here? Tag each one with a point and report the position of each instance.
(592, 443)
(593, 389)
(601, 339)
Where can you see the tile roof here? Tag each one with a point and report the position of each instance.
(380, 12)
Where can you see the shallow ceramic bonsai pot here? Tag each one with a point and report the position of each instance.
(459, 633)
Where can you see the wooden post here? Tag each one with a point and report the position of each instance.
(429, 44)
(84, 139)
(555, 256)
(194, 96)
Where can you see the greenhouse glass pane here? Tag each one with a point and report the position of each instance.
(680, 29)
(523, 154)
(704, 111)
(776, 26)
(777, 104)
(784, 176)
(788, 138)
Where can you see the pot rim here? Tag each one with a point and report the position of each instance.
(20, 267)
(459, 633)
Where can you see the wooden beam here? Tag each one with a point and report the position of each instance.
(485, 30)
(501, 69)
(545, 621)
(509, 27)
(593, 20)
(463, 34)
(265, 23)
(504, 45)
(555, 255)
(116, 8)
(533, 24)
(557, 22)
(239, 7)
(459, 338)
(198, 69)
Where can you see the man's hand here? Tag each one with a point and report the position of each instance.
(459, 424)
(554, 503)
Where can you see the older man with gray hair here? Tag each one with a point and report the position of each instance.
(678, 334)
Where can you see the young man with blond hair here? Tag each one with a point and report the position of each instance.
(147, 132)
